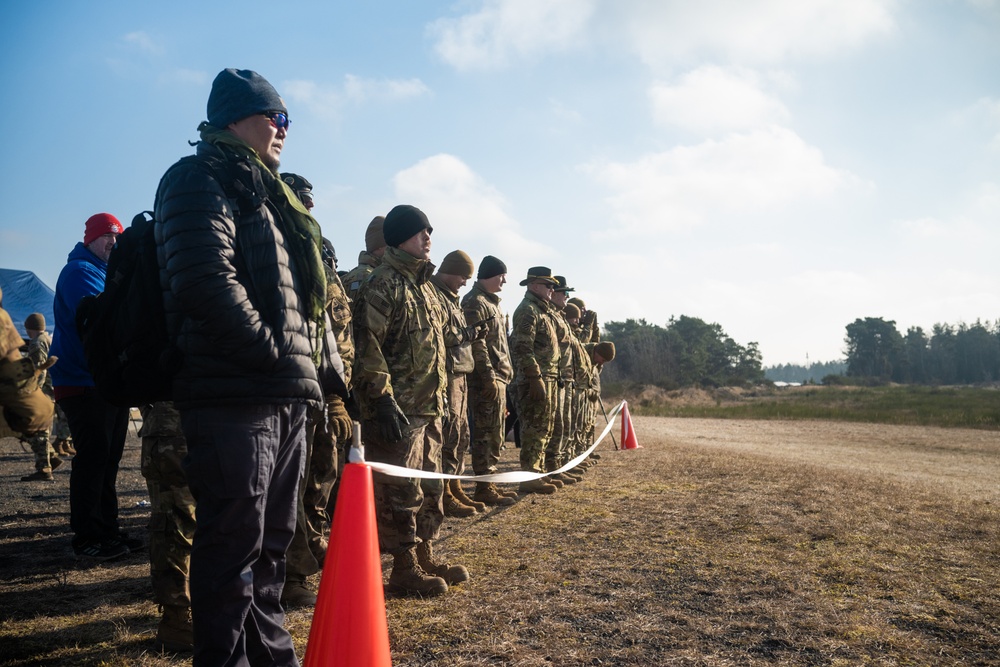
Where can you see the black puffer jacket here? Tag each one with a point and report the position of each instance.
(232, 300)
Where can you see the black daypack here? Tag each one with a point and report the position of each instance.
(124, 328)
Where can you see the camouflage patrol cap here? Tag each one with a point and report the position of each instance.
(539, 273)
(561, 280)
(571, 312)
(578, 302)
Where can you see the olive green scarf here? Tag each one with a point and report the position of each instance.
(300, 229)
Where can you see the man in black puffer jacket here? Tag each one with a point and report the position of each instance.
(244, 293)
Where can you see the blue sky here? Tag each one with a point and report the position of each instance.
(780, 167)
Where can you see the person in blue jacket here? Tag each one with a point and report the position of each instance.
(98, 428)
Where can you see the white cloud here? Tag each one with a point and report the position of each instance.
(762, 31)
(144, 42)
(465, 210)
(711, 99)
(682, 187)
(328, 100)
(504, 30)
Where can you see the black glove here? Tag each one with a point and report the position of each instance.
(390, 418)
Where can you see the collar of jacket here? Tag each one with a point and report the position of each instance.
(494, 298)
(417, 271)
(437, 282)
(369, 259)
(538, 301)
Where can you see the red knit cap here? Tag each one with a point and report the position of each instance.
(100, 224)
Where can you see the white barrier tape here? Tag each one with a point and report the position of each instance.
(357, 455)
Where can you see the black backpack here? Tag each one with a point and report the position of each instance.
(124, 328)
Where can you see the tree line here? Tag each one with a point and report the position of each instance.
(962, 354)
(688, 351)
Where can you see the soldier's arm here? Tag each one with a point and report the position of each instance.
(372, 320)
(523, 343)
(480, 351)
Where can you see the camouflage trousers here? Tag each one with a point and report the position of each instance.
(307, 551)
(30, 414)
(486, 421)
(579, 440)
(60, 427)
(171, 519)
(455, 436)
(408, 510)
(559, 447)
(536, 422)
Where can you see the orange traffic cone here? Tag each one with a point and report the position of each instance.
(628, 433)
(349, 626)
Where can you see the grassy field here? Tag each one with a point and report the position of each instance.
(720, 542)
(966, 407)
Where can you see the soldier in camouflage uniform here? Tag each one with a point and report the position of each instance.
(27, 410)
(402, 383)
(369, 258)
(488, 382)
(534, 348)
(581, 382)
(454, 273)
(171, 523)
(326, 430)
(589, 329)
(39, 342)
(558, 449)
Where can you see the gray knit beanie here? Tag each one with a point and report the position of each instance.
(240, 93)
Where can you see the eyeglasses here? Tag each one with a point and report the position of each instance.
(278, 119)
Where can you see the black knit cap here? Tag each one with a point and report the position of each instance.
(240, 93)
(491, 267)
(402, 222)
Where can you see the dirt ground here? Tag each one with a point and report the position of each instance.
(51, 606)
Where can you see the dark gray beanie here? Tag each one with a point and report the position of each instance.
(240, 93)
(402, 222)
(491, 267)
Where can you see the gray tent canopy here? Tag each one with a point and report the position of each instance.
(24, 293)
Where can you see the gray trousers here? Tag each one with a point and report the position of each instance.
(243, 468)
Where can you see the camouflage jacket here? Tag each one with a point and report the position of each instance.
(398, 328)
(456, 342)
(17, 378)
(352, 282)
(160, 420)
(534, 341)
(491, 353)
(583, 366)
(590, 330)
(564, 334)
(338, 305)
(38, 352)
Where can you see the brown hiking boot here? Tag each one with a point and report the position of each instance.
(564, 478)
(487, 492)
(453, 507)
(452, 574)
(174, 632)
(407, 578)
(460, 495)
(558, 483)
(38, 476)
(537, 486)
(68, 447)
(296, 595)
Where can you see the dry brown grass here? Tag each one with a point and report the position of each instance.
(719, 543)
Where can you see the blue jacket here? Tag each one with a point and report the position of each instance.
(82, 276)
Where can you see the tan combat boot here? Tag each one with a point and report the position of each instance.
(486, 492)
(558, 483)
(295, 594)
(453, 507)
(174, 633)
(537, 486)
(564, 478)
(461, 496)
(452, 574)
(407, 578)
